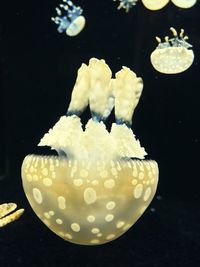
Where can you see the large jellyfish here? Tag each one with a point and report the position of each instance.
(126, 4)
(99, 184)
(155, 4)
(70, 20)
(173, 55)
(6, 215)
(184, 3)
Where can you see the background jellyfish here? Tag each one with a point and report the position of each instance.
(69, 18)
(173, 55)
(126, 4)
(6, 215)
(184, 3)
(100, 174)
(155, 4)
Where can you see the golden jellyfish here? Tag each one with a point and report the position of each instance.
(173, 55)
(99, 184)
(155, 4)
(184, 3)
(6, 215)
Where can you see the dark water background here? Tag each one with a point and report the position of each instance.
(38, 69)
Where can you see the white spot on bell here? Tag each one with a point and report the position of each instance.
(147, 194)
(37, 195)
(109, 183)
(75, 227)
(138, 191)
(90, 195)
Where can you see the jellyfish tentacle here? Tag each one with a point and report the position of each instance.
(80, 92)
(174, 32)
(158, 39)
(126, 4)
(100, 91)
(6, 215)
(128, 89)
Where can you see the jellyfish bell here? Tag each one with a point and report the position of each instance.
(69, 18)
(155, 4)
(100, 183)
(184, 3)
(173, 55)
(76, 26)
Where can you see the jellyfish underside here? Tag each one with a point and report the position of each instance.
(174, 55)
(155, 4)
(184, 3)
(97, 191)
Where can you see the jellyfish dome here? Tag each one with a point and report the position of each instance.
(155, 4)
(69, 18)
(126, 4)
(99, 184)
(184, 3)
(173, 55)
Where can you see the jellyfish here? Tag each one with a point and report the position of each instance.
(173, 55)
(126, 4)
(155, 4)
(6, 215)
(70, 20)
(184, 3)
(100, 183)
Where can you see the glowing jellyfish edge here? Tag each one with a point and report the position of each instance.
(155, 4)
(184, 3)
(97, 191)
(72, 22)
(173, 55)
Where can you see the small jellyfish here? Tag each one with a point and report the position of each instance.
(99, 184)
(184, 3)
(6, 215)
(126, 4)
(173, 55)
(155, 4)
(70, 20)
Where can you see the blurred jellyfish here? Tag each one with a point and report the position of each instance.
(126, 4)
(184, 3)
(69, 18)
(100, 183)
(6, 215)
(173, 55)
(155, 4)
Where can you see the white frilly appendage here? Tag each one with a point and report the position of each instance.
(96, 87)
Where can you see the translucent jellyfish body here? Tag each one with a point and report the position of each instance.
(8, 213)
(126, 4)
(184, 3)
(69, 18)
(100, 184)
(173, 55)
(155, 4)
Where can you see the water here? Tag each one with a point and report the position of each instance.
(38, 71)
